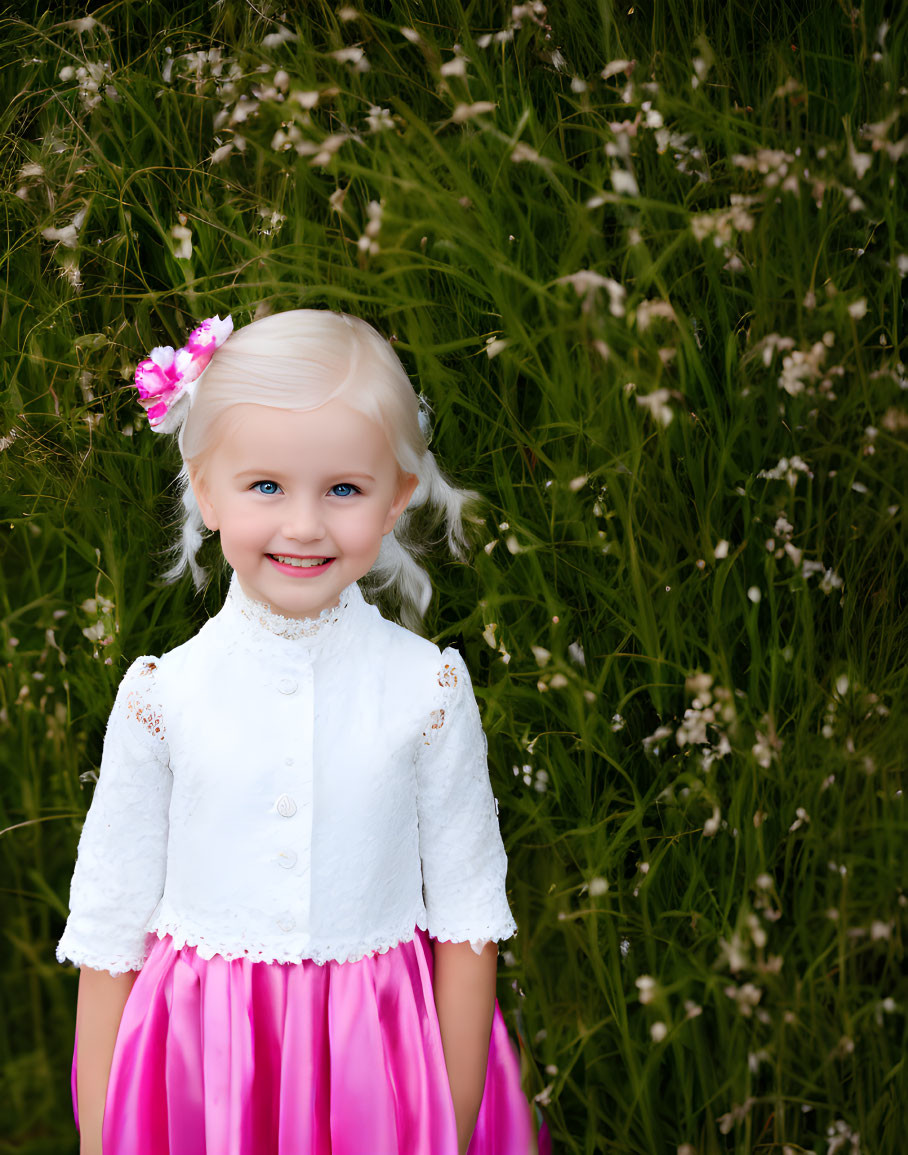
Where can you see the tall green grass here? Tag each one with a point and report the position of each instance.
(685, 619)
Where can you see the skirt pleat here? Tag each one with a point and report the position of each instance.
(250, 1058)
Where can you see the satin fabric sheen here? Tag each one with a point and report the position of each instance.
(251, 1058)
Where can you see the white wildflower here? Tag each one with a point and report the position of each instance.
(598, 886)
(830, 581)
(455, 67)
(787, 469)
(772, 344)
(647, 310)
(658, 1031)
(305, 100)
(841, 1140)
(615, 66)
(747, 996)
(523, 153)
(274, 39)
(585, 283)
(802, 818)
(68, 236)
(734, 954)
(83, 24)
(464, 112)
(860, 161)
(221, 154)
(650, 744)
(693, 727)
(328, 148)
(735, 1115)
(379, 119)
(624, 182)
(354, 55)
(545, 1095)
(183, 250)
(788, 88)
(657, 404)
(646, 985)
(722, 224)
(858, 309)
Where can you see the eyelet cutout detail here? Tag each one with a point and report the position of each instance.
(436, 721)
(448, 676)
(145, 715)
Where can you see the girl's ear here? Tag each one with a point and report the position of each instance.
(202, 497)
(407, 485)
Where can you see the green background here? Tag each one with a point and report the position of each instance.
(657, 310)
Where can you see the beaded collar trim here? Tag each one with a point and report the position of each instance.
(259, 614)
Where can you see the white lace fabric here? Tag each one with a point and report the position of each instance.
(279, 789)
(262, 616)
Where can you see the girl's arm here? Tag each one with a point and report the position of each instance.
(102, 997)
(465, 1001)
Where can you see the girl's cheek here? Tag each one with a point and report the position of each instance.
(359, 533)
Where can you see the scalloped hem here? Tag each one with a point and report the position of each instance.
(487, 934)
(181, 937)
(120, 966)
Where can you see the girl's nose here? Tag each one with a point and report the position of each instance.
(304, 521)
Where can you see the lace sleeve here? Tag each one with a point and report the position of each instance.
(119, 873)
(463, 859)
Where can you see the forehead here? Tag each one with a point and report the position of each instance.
(332, 433)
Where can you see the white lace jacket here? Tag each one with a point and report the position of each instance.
(283, 790)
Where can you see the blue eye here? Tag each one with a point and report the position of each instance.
(345, 485)
(266, 487)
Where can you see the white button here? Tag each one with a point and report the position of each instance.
(288, 761)
(285, 806)
(286, 923)
(287, 686)
(287, 859)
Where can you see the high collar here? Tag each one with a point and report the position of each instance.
(257, 623)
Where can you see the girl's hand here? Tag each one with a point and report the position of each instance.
(465, 1001)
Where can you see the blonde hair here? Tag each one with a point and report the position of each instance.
(300, 359)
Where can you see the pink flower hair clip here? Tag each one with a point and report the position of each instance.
(167, 379)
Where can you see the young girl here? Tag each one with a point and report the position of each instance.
(290, 884)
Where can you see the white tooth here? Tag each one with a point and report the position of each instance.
(300, 563)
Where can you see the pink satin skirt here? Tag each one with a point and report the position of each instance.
(252, 1058)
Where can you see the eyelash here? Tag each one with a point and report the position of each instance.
(338, 485)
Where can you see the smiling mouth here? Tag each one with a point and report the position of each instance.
(299, 562)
